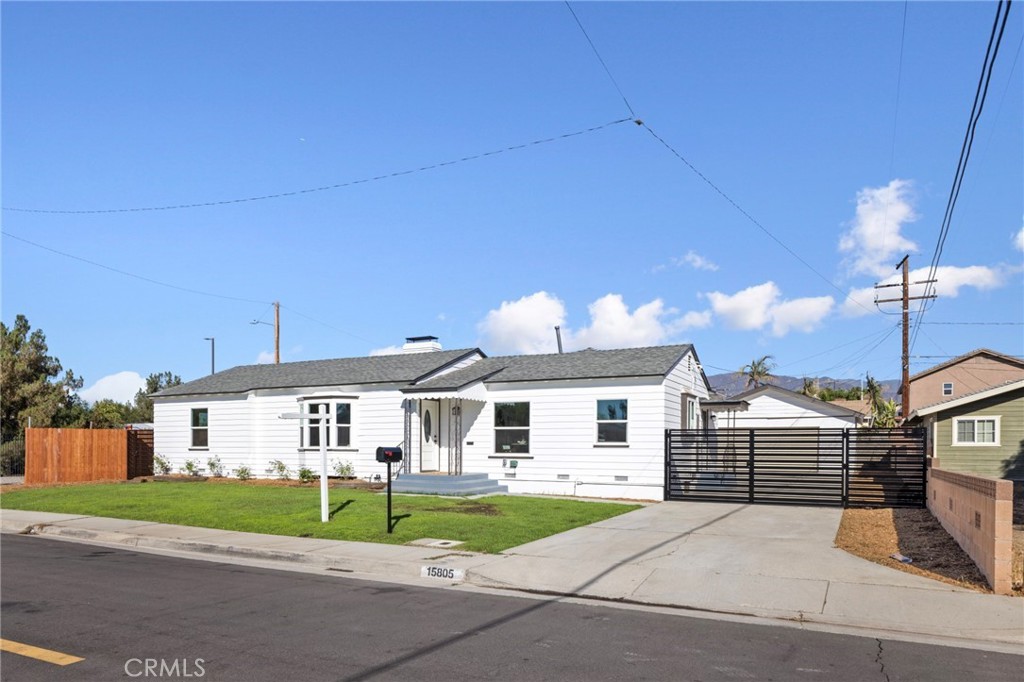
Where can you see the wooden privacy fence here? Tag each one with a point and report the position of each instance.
(831, 467)
(75, 455)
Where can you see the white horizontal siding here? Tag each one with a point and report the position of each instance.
(563, 436)
(686, 378)
(768, 411)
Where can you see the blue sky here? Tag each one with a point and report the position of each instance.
(791, 109)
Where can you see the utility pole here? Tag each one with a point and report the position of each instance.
(277, 332)
(905, 300)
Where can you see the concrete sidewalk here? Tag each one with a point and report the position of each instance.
(766, 562)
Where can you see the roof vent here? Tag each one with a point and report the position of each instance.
(421, 344)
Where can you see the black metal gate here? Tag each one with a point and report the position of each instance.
(825, 467)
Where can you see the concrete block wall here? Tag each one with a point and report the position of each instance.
(977, 511)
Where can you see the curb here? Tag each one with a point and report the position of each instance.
(408, 569)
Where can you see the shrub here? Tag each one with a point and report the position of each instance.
(343, 469)
(243, 473)
(215, 467)
(191, 467)
(161, 465)
(279, 469)
(306, 475)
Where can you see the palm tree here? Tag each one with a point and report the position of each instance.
(885, 415)
(759, 371)
(873, 392)
(810, 388)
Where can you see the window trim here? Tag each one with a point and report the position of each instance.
(598, 421)
(330, 415)
(944, 385)
(509, 453)
(193, 428)
(997, 436)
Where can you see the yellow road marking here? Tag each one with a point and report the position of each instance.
(55, 657)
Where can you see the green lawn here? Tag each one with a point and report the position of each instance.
(489, 524)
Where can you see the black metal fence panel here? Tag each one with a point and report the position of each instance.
(826, 467)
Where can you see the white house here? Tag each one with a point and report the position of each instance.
(589, 423)
(775, 407)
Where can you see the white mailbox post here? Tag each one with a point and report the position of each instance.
(324, 513)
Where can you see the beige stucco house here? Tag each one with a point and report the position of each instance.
(963, 375)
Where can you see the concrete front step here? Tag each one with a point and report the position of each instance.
(466, 484)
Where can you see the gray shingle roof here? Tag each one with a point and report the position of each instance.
(377, 369)
(586, 364)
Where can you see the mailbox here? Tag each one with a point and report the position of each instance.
(389, 455)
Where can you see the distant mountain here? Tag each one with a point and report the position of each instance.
(731, 383)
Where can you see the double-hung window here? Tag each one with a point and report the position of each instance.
(947, 388)
(512, 428)
(612, 421)
(976, 431)
(337, 415)
(200, 427)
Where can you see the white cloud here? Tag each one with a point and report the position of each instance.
(698, 262)
(387, 350)
(692, 320)
(874, 237)
(747, 309)
(951, 279)
(613, 326)
(691, 258)
(1018, 240)
(762, 305)
(121, 387)
(266, 357)
(524, 326)
(527, 325)
(800, 314)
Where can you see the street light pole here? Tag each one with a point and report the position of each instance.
(213, 346)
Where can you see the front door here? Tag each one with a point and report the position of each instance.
(429, 426)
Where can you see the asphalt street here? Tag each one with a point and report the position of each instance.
(129, 615)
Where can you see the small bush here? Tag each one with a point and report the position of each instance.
(279, 469)
(161, 465)
(191, 467)
(215, 467)
(306, 475)
(343, 469)
(243, 473)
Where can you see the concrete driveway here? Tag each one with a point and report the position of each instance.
(748, 559)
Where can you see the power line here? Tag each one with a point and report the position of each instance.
(600, 59)
(895, 118)
(180, 288)
(980, 324)
(325, 188)
(131, 274)
(981, 93)
(704, 177)
(750, 217)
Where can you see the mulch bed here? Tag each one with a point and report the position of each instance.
(876, 534)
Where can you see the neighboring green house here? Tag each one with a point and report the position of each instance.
(981, 433)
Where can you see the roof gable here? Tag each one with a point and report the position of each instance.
(822, 406)
(1001, 357)
(968, 399)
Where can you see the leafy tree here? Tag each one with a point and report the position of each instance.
(30, 386)
(142, 410)
(758, 372)
(830, 394)
(108, 414)
(885, 416)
